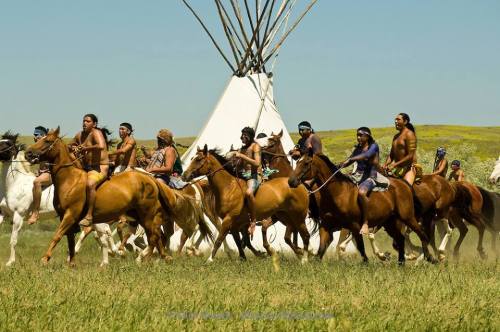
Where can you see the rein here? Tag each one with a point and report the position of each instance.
(324, 183)
(210, 174)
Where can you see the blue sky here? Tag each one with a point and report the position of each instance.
(349, 63)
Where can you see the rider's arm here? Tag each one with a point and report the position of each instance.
(315, 144)
(441, 167)
(368, 154)
(461, 175)
(256, 157)
(124, 149)
(170, 157)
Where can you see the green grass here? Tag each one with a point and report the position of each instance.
(188, 294)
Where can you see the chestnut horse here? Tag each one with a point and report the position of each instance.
(339, 208)
(273, 198)
(130, 193)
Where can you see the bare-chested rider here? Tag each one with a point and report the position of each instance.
(308, 140)
(92, 147)
(125, 154)
(43, 179)
(402, 160)
(456, 173)
(440, 163)
(250, 156)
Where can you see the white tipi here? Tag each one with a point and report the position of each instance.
(248, 99)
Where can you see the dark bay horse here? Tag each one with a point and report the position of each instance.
(129, 193)
(273, 198)
(339, 208)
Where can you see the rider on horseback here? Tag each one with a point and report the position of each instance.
(43, 179)
(250, 155)
(440, 163)
(164, 162)
(308, 140)
(366, 156)
(91, 146)
(125, 154)
(402, 161)
(457, 173)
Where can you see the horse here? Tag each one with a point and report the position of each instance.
(339, 208)
(273, 198)
(468, 206)
(130, 193)
(17, 195)
(495, 174)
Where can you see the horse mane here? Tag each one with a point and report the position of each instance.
(333, 168)
(10, 136)
(226, 163)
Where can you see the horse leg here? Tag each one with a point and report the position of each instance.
(383, 256)
(248, 243)
(66, 223)
(17, 220)
(462, 231)
(444, 238)
(478, 222)
(414, 226)
(399, 239)
(325, 238)
(102, 237)
(288, 240)
(83, 235)
(358, 239)
(304, 234)
(265, 225)
(224, 230)
(239, 244)
(184, 238)
(345, 238)
(70, 236)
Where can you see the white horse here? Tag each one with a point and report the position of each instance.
(495, 175)
(16, 199)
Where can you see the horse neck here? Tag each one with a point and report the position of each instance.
(281, 162)
(335, 186)
(63, 165)
(11, 170)
(221, 180)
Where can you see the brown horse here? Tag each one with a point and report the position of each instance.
(273, 198)
(468, 206)
(339, 208)
(130, 193)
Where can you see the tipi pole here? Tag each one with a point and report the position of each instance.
(210, 35)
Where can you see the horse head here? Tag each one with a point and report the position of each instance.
(199, 165)
(303, 170)
(9, 147)
(495, 175)
(44, 148)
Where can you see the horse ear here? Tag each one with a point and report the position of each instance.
(310, 152)
(231, 148)
(280, 134)
(272, 133)
(205, 149)
(198, 148)
(56, 132)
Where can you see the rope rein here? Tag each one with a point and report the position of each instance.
(324, 183)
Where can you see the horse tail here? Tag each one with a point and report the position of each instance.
(488, 208)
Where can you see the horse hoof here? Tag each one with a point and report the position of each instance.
(168, 258)
(9, 263)
(483, 255)
(45, 261)
(441, 257)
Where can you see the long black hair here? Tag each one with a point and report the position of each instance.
(406, 117)
(105, 131)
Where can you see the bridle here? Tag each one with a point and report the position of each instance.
(12, 146)
(208, 175)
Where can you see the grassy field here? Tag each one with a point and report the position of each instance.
(262, 294)
(188, 294)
